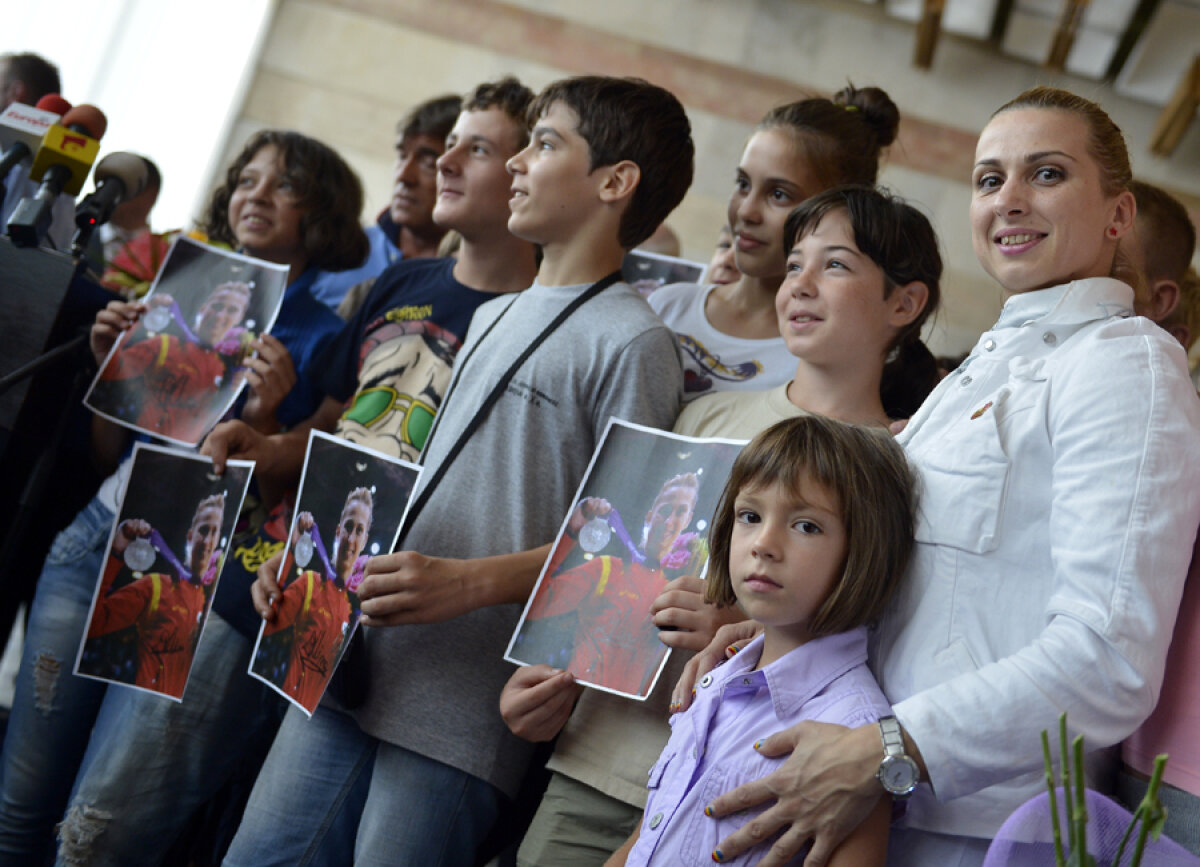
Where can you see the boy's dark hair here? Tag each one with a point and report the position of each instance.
(900, 240)
(631, 119)
(868, 475)
(38, 74)
(842, 137)
(434, 117)
(508, 95)
(1171, 239)
(328, 191)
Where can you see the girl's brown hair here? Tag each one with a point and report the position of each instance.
(842, 137)
(869, 476)
(901, 241)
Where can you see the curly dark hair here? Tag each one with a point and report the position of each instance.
(329, 191)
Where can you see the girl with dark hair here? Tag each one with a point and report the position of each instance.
(863, 276)
(288, 199)
(318, 199)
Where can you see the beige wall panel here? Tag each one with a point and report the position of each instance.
(346, 70)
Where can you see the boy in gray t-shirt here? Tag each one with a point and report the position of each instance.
(609, 159)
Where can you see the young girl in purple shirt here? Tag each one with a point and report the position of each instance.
(810, 538)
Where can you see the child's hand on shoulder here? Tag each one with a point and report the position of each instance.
(725, 644)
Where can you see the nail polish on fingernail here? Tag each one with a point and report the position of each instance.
(718, 855)
(757, 744)
(693, 692)
(731, 650)
(708, 811)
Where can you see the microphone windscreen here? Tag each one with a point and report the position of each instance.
(55, 103)
(89, 117)
(128, 168)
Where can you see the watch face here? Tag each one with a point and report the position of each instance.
(899, 775)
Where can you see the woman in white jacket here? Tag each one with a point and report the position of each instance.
(1061, 494)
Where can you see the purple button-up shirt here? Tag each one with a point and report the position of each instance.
(711, 749)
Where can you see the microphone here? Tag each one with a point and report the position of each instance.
(61, 164)
(54, 103)
(69, 149)
(119, 178)
(22, 128)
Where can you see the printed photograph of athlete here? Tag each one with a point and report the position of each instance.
(334, 534)
(153, 597)
(180, 368)
(590, 612)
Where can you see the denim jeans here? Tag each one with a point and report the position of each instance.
(330, 794)
(53, 710)
(152, 762)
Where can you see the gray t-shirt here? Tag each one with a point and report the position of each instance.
(435, 689)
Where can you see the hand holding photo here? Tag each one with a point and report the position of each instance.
(350, 498)
(179, 369)
(590, 612)
(165, 555)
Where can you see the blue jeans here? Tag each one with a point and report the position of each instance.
(152, 762)
(53, 710)
(330, 794)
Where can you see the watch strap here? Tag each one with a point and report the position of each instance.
(892, 737)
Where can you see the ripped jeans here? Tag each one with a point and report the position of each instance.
(53, 710)
(152, 762)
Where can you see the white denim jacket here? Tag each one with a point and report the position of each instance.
(1060, 470)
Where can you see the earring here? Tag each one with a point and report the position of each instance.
(1112, 231)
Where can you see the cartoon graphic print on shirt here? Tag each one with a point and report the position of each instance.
(710, 366)
(405, 368)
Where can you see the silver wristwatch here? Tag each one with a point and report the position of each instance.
(898, 773)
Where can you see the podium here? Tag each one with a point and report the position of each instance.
(46, 476)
